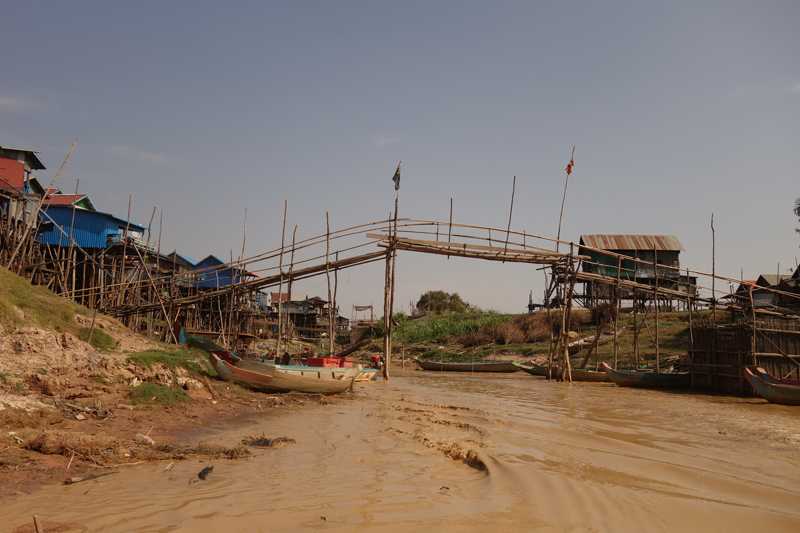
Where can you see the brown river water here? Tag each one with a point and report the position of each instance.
(548, 457)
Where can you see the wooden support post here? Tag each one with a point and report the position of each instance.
(391, 285)
(510, 211)
(655, 300)
(289, 291)
(753, 318)
(450, 227)
(386, 318)
(331, 339)
(280, 286)
(616, 309)
(549, 322)
(690, 350)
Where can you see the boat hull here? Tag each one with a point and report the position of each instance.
(769, 378)
(246, 378)
(648, 380)
(577, 375)
(439, 366)
(773, 392)
(269, 378)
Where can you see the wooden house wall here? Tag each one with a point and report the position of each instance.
(606, 265)
(720, 354)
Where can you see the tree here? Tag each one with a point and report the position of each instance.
(440, 302)
(797, 212)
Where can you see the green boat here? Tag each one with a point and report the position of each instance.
(649, 380)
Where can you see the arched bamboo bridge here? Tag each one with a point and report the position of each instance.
(146, 294)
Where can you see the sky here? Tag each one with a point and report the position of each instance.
(202, 110)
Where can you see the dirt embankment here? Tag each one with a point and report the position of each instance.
(64, 407)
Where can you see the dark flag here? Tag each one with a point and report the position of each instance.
(396, 177)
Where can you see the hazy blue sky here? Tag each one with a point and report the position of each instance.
(200, 109)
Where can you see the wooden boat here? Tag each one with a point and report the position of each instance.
(773, 392)
(500, 366)
(769, 378)
(271, 378)
(228, 372)
(577, 375)
(648, 380)
(275, 378)
(588, 342)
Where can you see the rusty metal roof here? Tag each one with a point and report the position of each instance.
(632, 242)
(64, 199)
(29, 155)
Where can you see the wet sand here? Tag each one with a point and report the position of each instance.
(466, 452)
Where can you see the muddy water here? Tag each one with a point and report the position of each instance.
(550, 457)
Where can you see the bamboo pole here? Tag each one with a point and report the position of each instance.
(280, 289)
(289, 291)
(753, 318)
(386, 317)
(335, 290)
(564, 199)
(449, 226)
(510, 211)
(547, 294)
(655, 300)
(70, 264)
(616, 310)
(331, 346)
(713, 270)
(691, 329)
(391, 295)
(36, 211)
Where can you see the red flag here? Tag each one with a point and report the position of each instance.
(569, 167)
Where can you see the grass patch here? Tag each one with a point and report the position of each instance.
(433, 329)
(172, 358)
(150, 393)
(100, 339)
(39, 304)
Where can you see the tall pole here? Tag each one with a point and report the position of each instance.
(655, 301)
(36, 211)
(280, 285)
(386, 319)
(510, 211)
(566, 183)
(289, 290)
(713, 270)
(331, 339)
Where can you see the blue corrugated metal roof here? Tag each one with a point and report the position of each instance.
(187, 259)
(213, 272)
(91, 228)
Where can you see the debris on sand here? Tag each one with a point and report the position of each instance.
(266, 442)
(203, 474)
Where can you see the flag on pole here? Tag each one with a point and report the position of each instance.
(569, 167)
(396, 177)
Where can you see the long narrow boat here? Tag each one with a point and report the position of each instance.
(772, 392)
(270, 378)
(648, 380)
(367, 374)
(577, 375)
(500, 366)
(769, 378)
